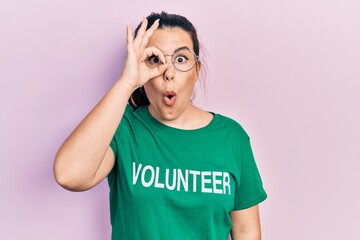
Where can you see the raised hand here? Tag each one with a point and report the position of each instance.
(135, 72)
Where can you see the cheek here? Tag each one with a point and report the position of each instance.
(151, 88)
(148, 90)
(190, 83)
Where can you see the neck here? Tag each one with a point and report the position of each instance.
(189, 119)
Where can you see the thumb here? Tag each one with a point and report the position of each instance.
(154, 72)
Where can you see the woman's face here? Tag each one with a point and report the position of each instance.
(169, 94)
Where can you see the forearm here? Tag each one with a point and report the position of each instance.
(80, 156)
(246, 236)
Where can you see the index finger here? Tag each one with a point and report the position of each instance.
(148, 33)
(140, 33)
(150, 51)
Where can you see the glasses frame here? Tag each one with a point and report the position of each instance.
(196, 58)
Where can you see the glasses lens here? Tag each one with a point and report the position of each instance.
(184, 60)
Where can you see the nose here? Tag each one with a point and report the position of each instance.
(169, 72)
(168, 76)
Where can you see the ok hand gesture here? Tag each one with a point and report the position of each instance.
(135, 72)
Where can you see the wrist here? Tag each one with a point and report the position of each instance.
(127, 84)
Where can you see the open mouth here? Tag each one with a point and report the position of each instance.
(169, 97)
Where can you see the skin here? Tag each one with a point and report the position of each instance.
(182, 114)
(85, 158)
(246, 224)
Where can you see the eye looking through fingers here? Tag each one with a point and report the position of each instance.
(153, 57)
(153, 61)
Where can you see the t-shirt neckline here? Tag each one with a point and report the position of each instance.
(154, 121)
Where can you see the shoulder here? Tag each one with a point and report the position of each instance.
(128, 119)
(129, 109)
(233, 125)
(131, 112)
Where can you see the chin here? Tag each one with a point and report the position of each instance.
(168, 114)
(165, 113)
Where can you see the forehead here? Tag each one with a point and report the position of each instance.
(170, 39)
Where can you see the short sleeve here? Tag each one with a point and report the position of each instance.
(113, 145)
(249, 189)
(114, 141)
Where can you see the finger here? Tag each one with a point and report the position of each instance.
(159, 70)
(148, 34)
(150, 51)
(129, 40)
(129, 36)
(140, 33)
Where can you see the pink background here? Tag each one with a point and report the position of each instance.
(288, 71)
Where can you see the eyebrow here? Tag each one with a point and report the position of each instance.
(178, 49)
(181, 48)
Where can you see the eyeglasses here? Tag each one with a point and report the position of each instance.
(183, 60)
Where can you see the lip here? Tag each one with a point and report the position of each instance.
(169, 101)
(169, 93)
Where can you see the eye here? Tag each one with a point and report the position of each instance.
(181, 59)
(153, 59)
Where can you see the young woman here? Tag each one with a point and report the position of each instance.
(175, 171)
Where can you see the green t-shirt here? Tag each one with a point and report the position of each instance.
(169, 183)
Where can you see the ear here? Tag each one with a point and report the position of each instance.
(198, 68)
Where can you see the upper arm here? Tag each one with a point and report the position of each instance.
(246, 224)
(105, 167)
